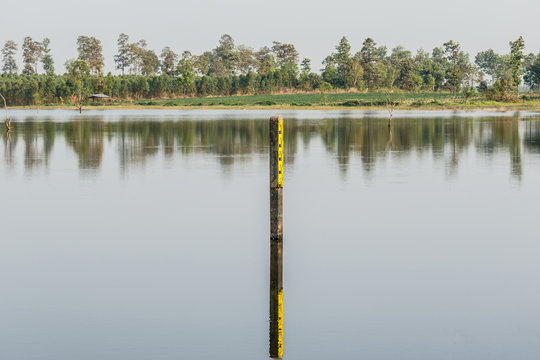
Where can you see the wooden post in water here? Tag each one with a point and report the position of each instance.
(276, 237)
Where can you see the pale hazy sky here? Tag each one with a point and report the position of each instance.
(314, 27)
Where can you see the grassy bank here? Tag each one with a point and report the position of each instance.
(374, 101)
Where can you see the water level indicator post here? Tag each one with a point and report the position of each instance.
(276, 237)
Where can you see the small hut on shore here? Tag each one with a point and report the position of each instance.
(97, 97)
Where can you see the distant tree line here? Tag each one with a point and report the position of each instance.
(229, 69)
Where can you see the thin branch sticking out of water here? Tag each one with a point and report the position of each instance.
(7, 121)
(390, 105)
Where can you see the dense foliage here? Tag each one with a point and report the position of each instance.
(229, 69)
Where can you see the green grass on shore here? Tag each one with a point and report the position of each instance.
(337, 99)
(329, 101)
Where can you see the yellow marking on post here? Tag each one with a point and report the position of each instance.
(280, 153)
(280, 324)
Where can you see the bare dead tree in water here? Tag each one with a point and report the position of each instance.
(7, 121)
(390, 105)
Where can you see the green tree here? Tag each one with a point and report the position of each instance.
(186, 74)
(401, 69)
(142, 61)
(368, 56)
(356, 73)
(78, 73)
(516, 60)
(8, 57)
(487, 62)
(47, 60)
(342, 59)
(135, 55)
(31, 55)
(532, 71)
(324, 89)
(285, 54)
(306, 66)
(201, 63)
(453, 75)
(266, 61)
(399, 52)
(123, 57)
(304, 80)
(150, 63)
(91, 51)
(330, 73)
(168, 61)
(407, 79)
(224, 57)
(246, 59)
(287, 59)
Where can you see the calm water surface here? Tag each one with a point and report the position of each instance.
(145, 235)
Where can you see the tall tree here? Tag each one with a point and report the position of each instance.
(343, 60)
(531, 67)
(286, 54)
(8, 57)
(78, 72)
(329, 73)
(247, 61)
(356, 73)
(265, 60)
(31, 55)
(452, 53)
(47, 60)
(368, 56)
(142, 60)
(402, 68)
(168, 61)
(201, 63)
(186, 73)
(134, 58)
(122, 58)
(287, 58)
(487, 62)
(150, 63)
(306, 66)
(399, 52)
(224, 57)
(91, 51)
(516, 60)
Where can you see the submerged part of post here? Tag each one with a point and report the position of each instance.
(276, 237)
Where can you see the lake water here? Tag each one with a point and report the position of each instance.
(145, 235)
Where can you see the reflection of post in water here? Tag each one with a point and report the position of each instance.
(515, 149)
(390, 143)
(276, 237)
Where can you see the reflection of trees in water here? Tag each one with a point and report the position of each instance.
(9, 144)
(531, 138)
(457, 133)
(372, 138)
(86, 139)
(503, 135)
(38, 142)
(369, 139)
